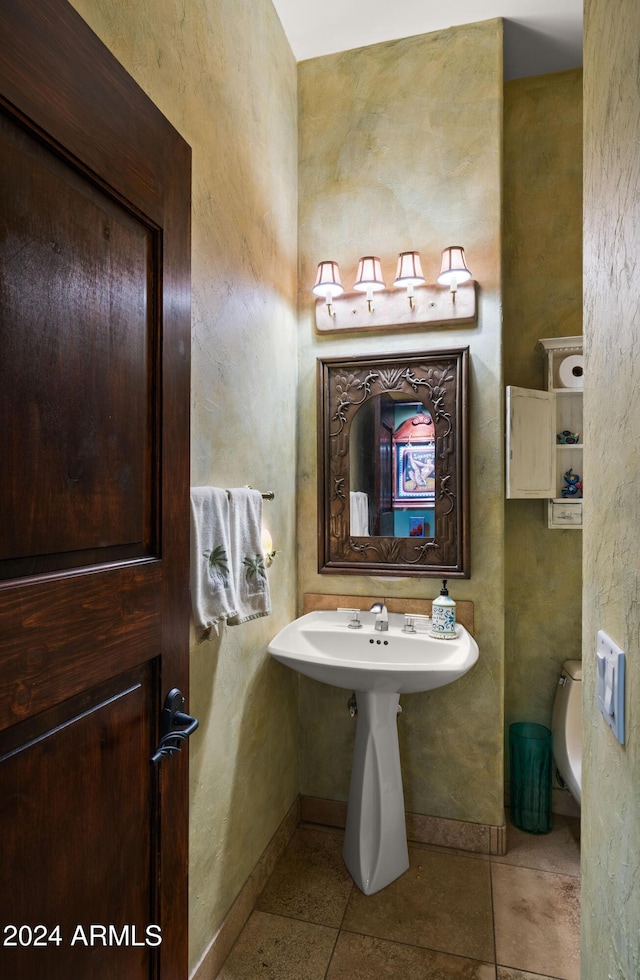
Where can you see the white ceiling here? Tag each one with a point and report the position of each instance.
(540, 35)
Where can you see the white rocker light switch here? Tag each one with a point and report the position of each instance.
(610, 684)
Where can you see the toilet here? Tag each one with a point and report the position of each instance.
(566, 727)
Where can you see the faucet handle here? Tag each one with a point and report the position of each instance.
(413, 619)
(354, 623)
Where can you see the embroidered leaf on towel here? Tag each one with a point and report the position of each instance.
(254, 566)
(218, 565)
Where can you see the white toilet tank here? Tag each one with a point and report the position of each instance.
(566, 727)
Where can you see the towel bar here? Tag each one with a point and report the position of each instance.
(265, 494)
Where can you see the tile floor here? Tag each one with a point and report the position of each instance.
(451, 916)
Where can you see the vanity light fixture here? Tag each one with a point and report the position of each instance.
(328, 283)
(426, 303)
(453, 268)
(409, 274)
(369, 278)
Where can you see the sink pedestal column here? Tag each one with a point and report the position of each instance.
(375, 841)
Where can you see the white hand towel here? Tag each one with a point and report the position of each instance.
(359, 514)
(247, 558)
(213, 595)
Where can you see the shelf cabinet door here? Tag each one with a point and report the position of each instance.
(531, 440)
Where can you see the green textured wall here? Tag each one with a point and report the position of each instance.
(223, 73)
(611, 772)
(542, 297)
(400, 148)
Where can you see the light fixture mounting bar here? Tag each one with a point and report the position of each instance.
(434, 306)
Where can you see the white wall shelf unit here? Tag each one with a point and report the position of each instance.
(538, 422)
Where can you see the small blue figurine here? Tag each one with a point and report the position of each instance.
(573, 486)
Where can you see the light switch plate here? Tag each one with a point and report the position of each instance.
(610, 683)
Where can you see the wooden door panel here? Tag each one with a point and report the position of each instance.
(72, 343)
(384, 471)
(531, 442)
(94, 491)
(62, 815)
(42, 86)
(43, 661)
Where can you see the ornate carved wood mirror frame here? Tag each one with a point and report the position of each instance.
(435, 380)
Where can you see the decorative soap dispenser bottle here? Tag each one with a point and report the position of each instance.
(443, 615)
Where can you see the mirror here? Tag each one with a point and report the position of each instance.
(393, 464)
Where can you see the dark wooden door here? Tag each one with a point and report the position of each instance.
(384, 470)
(94, 497)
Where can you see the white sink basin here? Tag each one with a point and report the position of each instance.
(323, 646)
(378, 666)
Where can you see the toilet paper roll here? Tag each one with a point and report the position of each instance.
(571, 371)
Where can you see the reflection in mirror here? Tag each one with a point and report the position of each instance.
(393, 464)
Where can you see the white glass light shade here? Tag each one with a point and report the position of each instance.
(328, 283)
(453, 269)
(409, 271)
(266, 542)
(369, 278)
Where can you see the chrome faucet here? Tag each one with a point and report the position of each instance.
(382, 616)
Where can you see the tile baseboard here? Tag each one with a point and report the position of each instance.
(215, 954)
(421, 829)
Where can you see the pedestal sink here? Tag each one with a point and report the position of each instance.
(378, 666)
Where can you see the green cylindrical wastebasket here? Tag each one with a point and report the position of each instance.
(530, 751)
